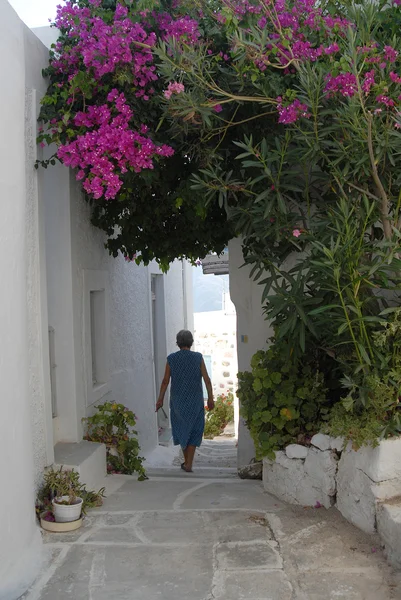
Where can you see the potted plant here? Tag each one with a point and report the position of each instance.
(61, 493)
(66, 503)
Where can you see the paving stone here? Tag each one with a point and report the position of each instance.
(131, 574)
(181, 528)
(262, 585)
(324, 549)
(344, 586)
(231, 495)
(238, 526)
(248, 555)
(114, 535)
(146, 495)
(113, 519)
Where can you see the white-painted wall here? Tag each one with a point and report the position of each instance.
(75, 254)
(20, 540)
(36, 55)
(253, 330)
(48, 254)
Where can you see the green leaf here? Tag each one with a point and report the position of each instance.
(276, 377)
(322, 309)
(266, 416)
(257, 385)
(364, 353)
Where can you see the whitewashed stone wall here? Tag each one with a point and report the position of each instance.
(364, 485)
(368, 477)
(305, 476)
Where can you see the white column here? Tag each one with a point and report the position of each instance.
(20, 540)
(253, 331)
(188, 300)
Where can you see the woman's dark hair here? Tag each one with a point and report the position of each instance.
(185, 339)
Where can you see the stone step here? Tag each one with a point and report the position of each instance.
(389, 528)
(87, 458)
(199, 473)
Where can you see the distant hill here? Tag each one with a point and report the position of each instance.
(208, 290)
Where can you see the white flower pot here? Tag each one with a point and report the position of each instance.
(66, 513)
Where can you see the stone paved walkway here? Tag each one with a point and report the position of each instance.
(186, 537)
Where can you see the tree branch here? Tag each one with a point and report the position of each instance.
(384, 202)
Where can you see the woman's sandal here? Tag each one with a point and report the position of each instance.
(183, 467)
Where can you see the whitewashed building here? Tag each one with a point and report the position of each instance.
(77, 327)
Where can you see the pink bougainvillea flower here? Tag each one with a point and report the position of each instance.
(296, 233)
(395, 78)
(369, 81)
(292, 112)
(109, 147)
(218, 108)
(344, 84)
(173, 88)
(382, 99)
(390, 54)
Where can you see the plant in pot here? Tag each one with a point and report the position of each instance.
(56, 484)
(66, 504)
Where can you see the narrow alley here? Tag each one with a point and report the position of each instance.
(210, 536)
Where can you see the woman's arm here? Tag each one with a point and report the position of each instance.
(208, 384)
(163, 387)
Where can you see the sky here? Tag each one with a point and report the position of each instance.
(35, 13)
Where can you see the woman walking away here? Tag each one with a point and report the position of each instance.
(186, 369)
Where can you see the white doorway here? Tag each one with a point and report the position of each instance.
(160, 352)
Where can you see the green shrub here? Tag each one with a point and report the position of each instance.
(113, 425)
(220, 416)
(371, 410)
(282, 400)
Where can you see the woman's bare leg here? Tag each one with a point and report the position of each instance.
(189, 459)
(185, 453)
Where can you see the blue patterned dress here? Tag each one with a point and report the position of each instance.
(186, 398)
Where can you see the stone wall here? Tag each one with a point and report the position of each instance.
(365, 479)
(305, 475)
(358, 483)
